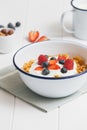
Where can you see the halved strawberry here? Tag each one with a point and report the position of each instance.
(42, 38)
(33, 35)
(62, 57)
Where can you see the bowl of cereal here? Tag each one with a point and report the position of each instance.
(7, 40)
(53, 69)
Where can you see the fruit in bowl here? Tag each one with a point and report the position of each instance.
(62, 73)
(59, 65)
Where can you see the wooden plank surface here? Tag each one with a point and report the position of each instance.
(45, 16)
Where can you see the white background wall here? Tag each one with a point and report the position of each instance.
(42, 15)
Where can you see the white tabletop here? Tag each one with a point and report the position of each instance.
(42, 15)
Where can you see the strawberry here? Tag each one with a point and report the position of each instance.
(39, 68)
(42, 38)
(42, 58)
(53, 67)
(62, 57)
(69, 64)
(52, 62)
(33, 35)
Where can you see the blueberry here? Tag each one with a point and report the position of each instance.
(10, 25)
(1, 26)
(62, 62)
(45, 64)
(17, 24)
(45, 71)
(63, 70)
(52, 58)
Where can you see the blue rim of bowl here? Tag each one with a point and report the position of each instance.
(77, 7)
(42, 77)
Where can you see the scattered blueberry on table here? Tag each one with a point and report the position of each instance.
(5, 32)
(17, 24)
(1, 26)
(10, 25)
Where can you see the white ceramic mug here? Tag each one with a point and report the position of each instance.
(79, 12)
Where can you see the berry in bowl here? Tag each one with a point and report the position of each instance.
(52, 69)
(59, 65)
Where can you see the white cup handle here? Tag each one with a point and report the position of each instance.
(63, 23)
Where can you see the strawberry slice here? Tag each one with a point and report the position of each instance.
(52, 62)
(42, 38)
(62, 57)
(39, 68)
(33, 35)
(54, 67)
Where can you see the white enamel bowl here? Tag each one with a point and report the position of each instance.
(51, 87)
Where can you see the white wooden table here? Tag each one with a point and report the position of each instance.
(42, 15)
